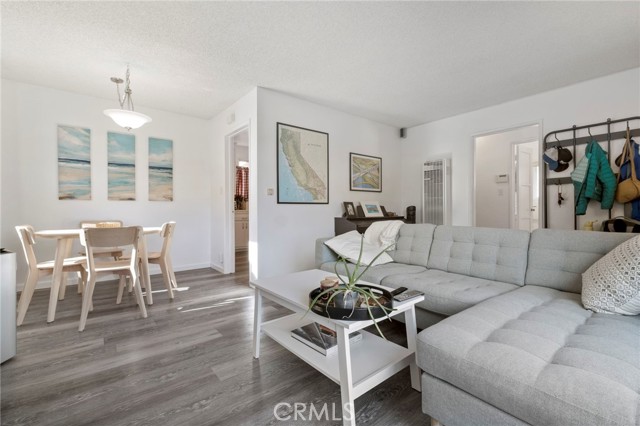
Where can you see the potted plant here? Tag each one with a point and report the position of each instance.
(350, 300)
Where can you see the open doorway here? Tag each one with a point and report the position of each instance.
(238, 143)
(506, 178)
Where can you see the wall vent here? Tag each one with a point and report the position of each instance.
(436, 191)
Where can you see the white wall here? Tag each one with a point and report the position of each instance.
(493, 155)
(242, 113)
(30, 115)
(614, 96)
(286, 232)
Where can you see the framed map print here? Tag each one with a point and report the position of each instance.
(365, 172)
(303, 165)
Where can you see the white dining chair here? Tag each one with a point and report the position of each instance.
(37, 270)
(98, 238)
(114, 252)
(162, 258)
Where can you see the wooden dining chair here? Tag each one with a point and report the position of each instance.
(37, 270)
(162, 258)
(98, 238)
(115, 252)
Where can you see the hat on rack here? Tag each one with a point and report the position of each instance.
(564, 155)
(554, 157)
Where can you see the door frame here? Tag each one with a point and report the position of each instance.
(512, 182)
(495, 132)
(229, 256)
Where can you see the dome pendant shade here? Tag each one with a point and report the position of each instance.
(127, 119)
(126, 116)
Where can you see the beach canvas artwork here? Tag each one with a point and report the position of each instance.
(121, 165)
(160, 169)
(74, 163)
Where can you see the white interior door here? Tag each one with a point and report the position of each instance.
(524, 188)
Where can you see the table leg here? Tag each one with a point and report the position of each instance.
(62, 248)
(410, 323)
(144, 269)
(346, 378)
(257, 319)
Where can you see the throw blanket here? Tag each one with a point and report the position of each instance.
(383, 233)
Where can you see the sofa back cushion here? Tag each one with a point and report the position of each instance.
(557, 258)
(413, 244)
(492, 254)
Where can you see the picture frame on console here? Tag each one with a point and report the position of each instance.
(372, 209)
(350, 209)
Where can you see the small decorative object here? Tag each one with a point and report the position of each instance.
(303, 165)
(74, 163)
(351, 301)
(365, 172)
(160, 169)
(121, 166)
(127, 118)
(349, 208)
(372, 209)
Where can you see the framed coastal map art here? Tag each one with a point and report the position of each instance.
(303, 165)
(365, 172)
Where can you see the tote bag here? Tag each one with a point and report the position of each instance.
(629, 189)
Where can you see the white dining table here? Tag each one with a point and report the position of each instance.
(65, 239)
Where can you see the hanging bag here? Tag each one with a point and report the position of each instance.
(629, 189)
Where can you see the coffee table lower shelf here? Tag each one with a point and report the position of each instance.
(373, 359)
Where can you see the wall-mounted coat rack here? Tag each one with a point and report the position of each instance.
(573, 141)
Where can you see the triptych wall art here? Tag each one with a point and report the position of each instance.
(160, 169)
(74, 163)
(121, 166)
(74, 166)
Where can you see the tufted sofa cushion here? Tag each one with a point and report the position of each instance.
(447, 293)
(536, 354)
(375, 274)
(413, 244)
(557, 258)
(488, 253)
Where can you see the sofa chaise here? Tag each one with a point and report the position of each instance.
(506, 340)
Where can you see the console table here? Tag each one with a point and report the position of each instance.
(360, 224)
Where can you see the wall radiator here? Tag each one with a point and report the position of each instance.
(436, 191)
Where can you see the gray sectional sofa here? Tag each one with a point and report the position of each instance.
(506, 340)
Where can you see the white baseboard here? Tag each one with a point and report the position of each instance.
(217, 267)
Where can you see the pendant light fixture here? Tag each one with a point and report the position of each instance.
(125, 116)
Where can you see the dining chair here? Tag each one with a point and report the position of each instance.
(98, 238)
(114, 252)
(37, 270)
(162, 258)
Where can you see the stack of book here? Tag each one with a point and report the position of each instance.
(321, 338)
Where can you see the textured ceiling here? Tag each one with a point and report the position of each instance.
(398, 63)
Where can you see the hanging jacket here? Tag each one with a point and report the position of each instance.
(599, 172)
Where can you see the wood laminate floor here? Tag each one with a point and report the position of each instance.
(188, 363)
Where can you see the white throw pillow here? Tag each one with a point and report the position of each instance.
(348, 246)
(612, 284)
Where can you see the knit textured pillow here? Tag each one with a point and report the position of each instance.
(612, 284)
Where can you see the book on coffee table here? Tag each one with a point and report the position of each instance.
(320, 338)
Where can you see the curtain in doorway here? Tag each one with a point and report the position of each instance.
(242, 182)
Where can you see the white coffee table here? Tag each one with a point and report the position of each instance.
(357, 369)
